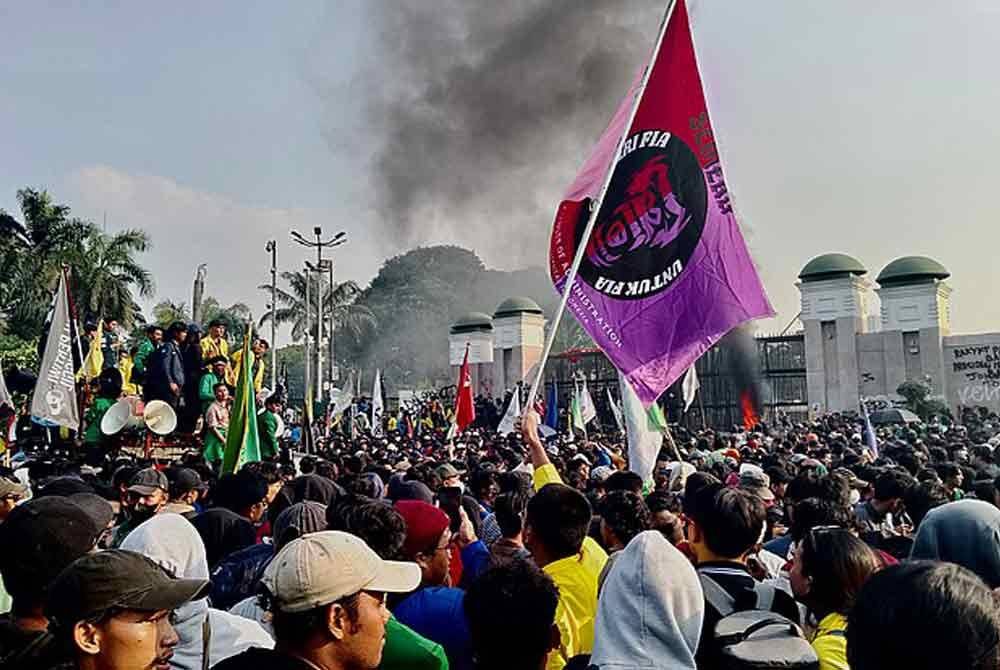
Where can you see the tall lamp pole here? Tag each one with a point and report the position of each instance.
(319, 244)
(308, 377)
(272, 246)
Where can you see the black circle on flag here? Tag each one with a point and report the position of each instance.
(651, 220)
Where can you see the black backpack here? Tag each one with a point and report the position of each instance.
(758, 638)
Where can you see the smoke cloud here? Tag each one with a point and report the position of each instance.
(483, 111)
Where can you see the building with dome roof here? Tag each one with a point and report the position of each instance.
(503, 348)
(863, 341)
(859, 339)
(473, 331)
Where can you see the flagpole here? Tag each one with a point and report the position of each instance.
(701, 405)
(596, 207)
(670, 439)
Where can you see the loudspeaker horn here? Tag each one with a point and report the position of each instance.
(116, 418)
(160, 417)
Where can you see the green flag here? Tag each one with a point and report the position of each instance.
(657, 421)
(242, 442)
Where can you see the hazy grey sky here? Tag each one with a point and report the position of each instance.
(867, 127)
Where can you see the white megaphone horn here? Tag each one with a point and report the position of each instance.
(120, 416)
(160, 417)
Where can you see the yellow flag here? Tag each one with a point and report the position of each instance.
(125, 366)
(94, 362)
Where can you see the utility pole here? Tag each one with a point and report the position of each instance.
(319, 245)
(272, 246)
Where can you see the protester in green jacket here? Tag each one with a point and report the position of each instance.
(267, 428)
(215, 375)
(154, 335)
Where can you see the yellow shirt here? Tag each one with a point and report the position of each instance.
(211, 348)
(830, 644)
(258, 377)
(576, 577)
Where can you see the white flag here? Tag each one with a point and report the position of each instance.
(644, 440)
(616, 411)
(343, 399)
(377, 405)
(5, 398)
(690, 386)
(587, 408)
(506, 426)
(54, 399)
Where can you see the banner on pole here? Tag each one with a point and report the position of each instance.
(666, 272)
(54, 400)
(690, 386)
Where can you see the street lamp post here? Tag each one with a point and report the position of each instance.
(333, 325)
(319, 245)
(308, 376)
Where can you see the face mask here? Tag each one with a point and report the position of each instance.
(142, 512)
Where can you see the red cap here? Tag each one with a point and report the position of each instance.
(425, 524)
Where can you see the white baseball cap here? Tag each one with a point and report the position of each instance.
(320, 568)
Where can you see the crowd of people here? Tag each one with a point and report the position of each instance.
(791, 545)
(193, 372)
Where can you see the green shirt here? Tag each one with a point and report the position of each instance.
(92, 433)
(267, 429)
(206, 389)
(139, 360)
(405, 649)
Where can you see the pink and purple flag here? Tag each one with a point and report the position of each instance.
(666, 271)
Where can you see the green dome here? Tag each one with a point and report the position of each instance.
(518, 305)
(829, 266)
(472, 322)
(912, 270)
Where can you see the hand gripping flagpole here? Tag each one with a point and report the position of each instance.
(595, 209)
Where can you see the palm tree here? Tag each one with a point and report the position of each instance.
(352, 321)
(235, 317)
(166, 312)
(33, 257)
(106, 272)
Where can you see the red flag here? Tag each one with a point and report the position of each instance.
(465, 408)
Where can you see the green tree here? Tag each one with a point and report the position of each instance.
(920, 402)
(414, 298)
(104, 270)
(105, 274)
(352, 321)
(235, 317)
(166, 312)
(33, 253)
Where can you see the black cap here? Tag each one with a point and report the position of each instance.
(146, 481)
(39, 539)
(217, 359)
(184, 480)
(99, 509)
(116, 578)
(64, 486)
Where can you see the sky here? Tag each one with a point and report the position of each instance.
(862, 127)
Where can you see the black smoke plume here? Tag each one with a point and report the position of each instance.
(483, 111)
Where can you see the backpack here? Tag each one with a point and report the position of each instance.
(758, 638)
